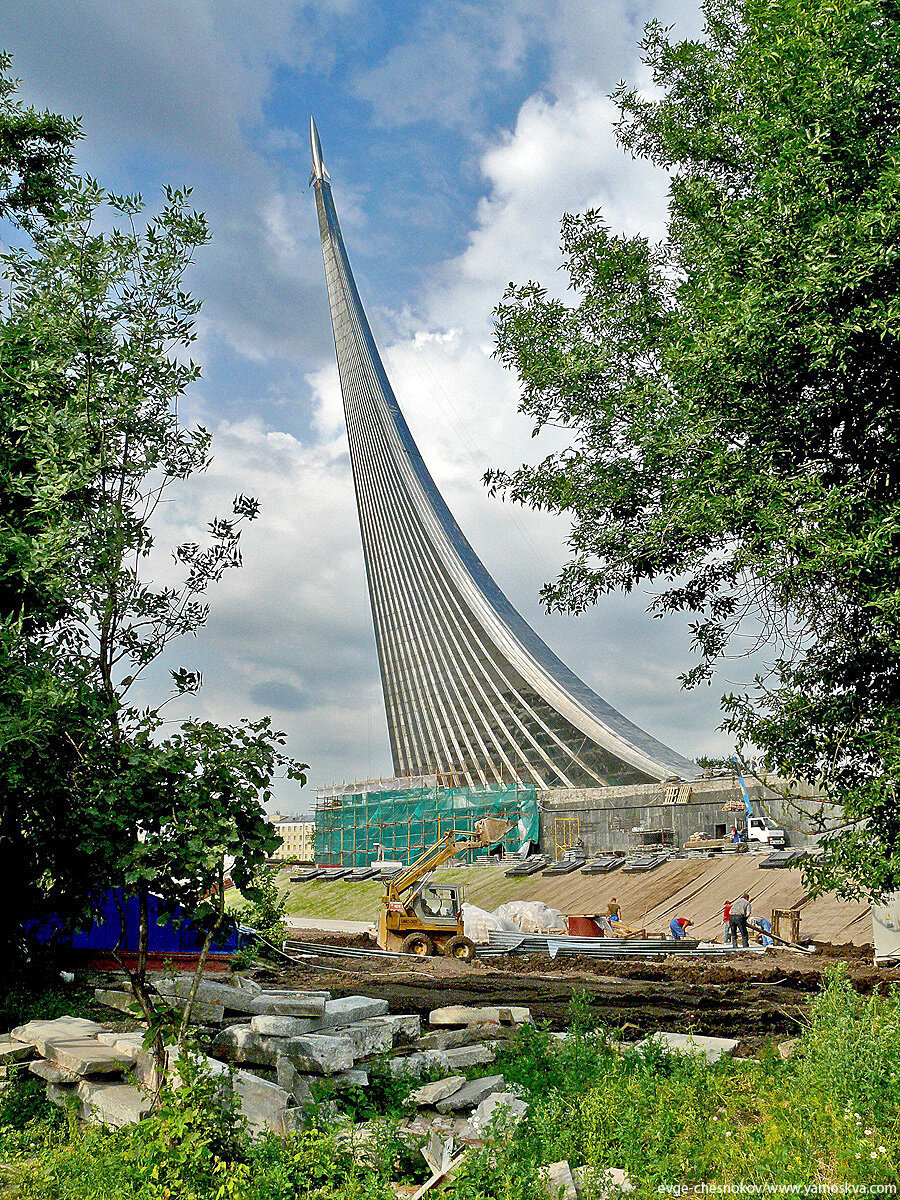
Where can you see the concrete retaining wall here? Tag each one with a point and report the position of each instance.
(608, 817)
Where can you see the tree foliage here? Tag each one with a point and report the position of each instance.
(732, 392)
(96, 326)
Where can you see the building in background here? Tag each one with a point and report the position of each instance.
(298, 838)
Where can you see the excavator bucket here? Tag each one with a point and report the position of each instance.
(490, 830)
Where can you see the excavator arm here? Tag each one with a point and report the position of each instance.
(487, 831)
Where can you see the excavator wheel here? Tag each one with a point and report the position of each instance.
(460, 947)
(417, 943)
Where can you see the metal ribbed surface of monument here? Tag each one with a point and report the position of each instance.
(470, 690)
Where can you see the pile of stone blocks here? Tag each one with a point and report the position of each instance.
(271, 1047)
(81, 1062)
(296, 1039)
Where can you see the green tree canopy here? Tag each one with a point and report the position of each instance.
(732, 392)
(96, 326)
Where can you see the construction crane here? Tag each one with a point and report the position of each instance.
(424, 918)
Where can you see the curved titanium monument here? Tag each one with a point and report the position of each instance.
(469, 688)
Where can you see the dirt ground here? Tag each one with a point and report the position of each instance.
(752, 999)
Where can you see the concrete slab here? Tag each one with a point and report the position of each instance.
(711, 1048)
(471, 1094)
(87, 1056)
(115, 1104)
(62, 1029)
(431, 1093)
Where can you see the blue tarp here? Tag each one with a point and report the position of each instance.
(174, 936)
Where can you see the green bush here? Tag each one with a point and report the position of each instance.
(830, 1114)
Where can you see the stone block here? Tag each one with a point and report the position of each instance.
(121, 1001)
(348, 1010)
(289, 1004)
(711, 1048)
(431, 1093)
(62, 1094)
(63, 1029)
(248, 985)
(115, 1104)
(369, 1037)
(51, 1074)
(460, 1057)
(262, 1103)
(461, 1014)
(87, 1056)
(175, 994)
(449, 1039)
(279, 1027)
(12, 1050)
(405, 1027)
(241, 1044)
(560, 1184)
(295, 1084)
(512, 1108)
(293, 1120)
(131, 1037)
(210, 992)
(409, 1066)
(471, 1094)
(132, 1042)
(788, 1048)
(320, 1054)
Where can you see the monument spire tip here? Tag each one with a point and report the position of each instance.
(318, 166)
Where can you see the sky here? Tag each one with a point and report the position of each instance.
(456, 134)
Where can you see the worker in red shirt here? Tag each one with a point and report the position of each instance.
(678, 926)
(726, 916)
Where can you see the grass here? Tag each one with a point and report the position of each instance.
(829, 1115)
(486, 887)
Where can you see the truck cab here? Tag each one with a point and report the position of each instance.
(761, 829)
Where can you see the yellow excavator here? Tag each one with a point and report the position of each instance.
(424, 918)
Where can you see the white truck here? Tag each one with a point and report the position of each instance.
(761, 829)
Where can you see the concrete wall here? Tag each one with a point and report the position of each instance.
(606, 817)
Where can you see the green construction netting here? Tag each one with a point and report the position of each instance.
(350, 826)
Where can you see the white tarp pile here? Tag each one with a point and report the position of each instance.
(522, 916)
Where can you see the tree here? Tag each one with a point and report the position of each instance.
(35, 154)
(733, 391)
(95, 333)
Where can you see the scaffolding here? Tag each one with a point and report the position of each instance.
(397, 819)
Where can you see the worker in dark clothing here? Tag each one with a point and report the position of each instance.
(678, 926)
(737, 919)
